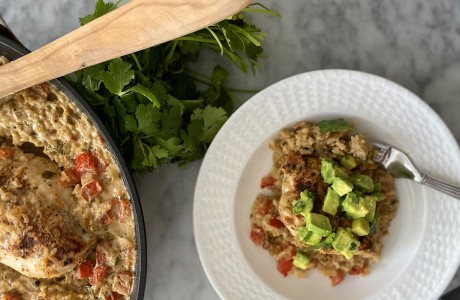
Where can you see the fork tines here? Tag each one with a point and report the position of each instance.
(382, 153)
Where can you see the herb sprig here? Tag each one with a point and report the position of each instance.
(149, 100)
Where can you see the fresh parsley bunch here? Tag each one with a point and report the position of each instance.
(149, 100)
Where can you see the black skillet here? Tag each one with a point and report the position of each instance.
(11, 48)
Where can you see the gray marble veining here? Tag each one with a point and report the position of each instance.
(415, 43)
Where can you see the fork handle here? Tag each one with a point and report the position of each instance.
(441, 186)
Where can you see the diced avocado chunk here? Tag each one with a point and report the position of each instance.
(349, 252)
(377, 187)
(358, 192)
(342, 239)
(309, 237)
(348, 162)
(313, 239)
(330, 238)
(301, 260)
(355, 206)
(327, 170)
(371, 204)
(334, 125)
(360, 226)
(342, 186)
(378, 195)
(304, 204)
(318, 223)
(306, 195)
(345, 243)
(340, 172)
(330, 171)
(331, 202)
(363, 181)
(303, 233)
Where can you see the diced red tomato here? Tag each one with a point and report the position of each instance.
(124, 210)
(356, 271)
(6, 153)
(337, 278)
(100, 256)
(91, 189)
(113, 296)
(107, 218)
(293, 251)
(85, 270)
(85, 162)
(284, 266)
(99, 273)
(267, 181)
(69, 178)
(275, 222)
(266, 208)
(257, 235)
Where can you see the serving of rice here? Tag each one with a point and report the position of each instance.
(297, 156)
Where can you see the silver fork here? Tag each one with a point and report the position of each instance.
(400, 166)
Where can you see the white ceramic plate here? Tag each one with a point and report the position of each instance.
(422, 251)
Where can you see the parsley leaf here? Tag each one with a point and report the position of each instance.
(120, 74)
(171, 121)
(131, 123)
(173, 145)
(101, 9)
(147, 119)
(213, 93)
(91, 79)
(213, 118)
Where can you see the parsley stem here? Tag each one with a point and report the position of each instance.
(195, 39)
(170, 55)
(142, 148)
(265, 9)
(199, 80)
(134, 56)
(192, 74)
(246, 34)
(234, 57)
(204, 76)
(217, 40)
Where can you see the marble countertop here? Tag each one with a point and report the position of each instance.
(415, 43)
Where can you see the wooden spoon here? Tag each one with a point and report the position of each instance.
(137, 25)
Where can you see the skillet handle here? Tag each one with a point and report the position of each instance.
(6, 31)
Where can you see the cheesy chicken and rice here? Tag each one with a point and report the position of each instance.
(329, 204)
(66, 220)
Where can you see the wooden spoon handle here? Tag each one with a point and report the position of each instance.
(137, 25)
